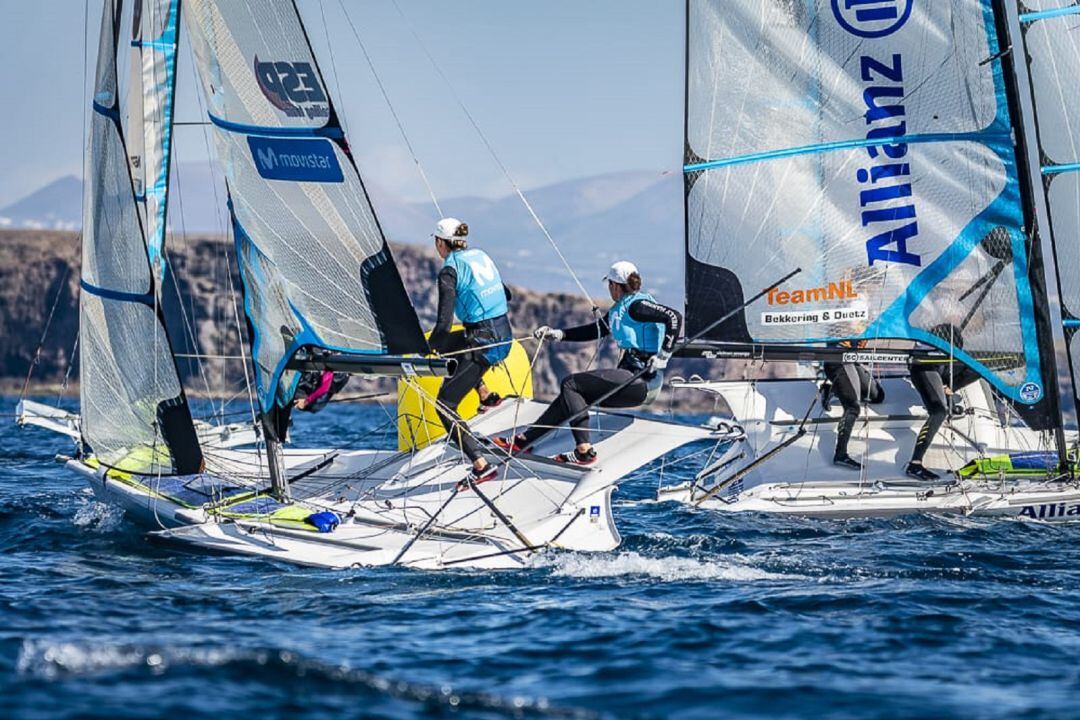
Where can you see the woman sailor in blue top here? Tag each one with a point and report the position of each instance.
(643, 329)
(471, 288)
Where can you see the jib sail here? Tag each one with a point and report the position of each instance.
(868, 142)
(316, 268)
(134, 412)
(1051, 33)
(155, 34)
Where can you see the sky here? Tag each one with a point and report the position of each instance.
(561, 89)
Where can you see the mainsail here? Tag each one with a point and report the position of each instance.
(134, 412)
(1051, 34)
(155, 34)
(870, 143)
(316, 269)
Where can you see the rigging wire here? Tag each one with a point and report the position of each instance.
(495, 156)
(386, 97)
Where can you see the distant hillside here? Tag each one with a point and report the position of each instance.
(39, 266)
(594, 221)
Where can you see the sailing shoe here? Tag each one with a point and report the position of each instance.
(479, 476)
(919, 472)
(493, 400)
(577, 458)
(514, 444)
(846, 461)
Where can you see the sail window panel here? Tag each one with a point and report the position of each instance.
(1054, 49)
(260, 68)
(113, 254)
(127, 373)
(318, 237)
(1064, 203)
(767, 76)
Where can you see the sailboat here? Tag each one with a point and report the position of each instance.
(321, 291)
(917, 164)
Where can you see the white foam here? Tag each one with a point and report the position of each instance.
(667, 569)
(98, 517)
(53, 660)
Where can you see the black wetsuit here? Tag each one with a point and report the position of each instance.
(852, 385)
(471, 366)
(930, 381)
(577, 391)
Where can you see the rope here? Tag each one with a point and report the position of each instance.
(44, 333)
(495, 156)
(390, 105)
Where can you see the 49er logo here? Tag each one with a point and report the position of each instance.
(293, 88)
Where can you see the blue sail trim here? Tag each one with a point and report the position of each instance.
(141, 298)
(166, 44)
(924, 138)
(1005, 211)
(1071, 323)
(112, 113)
(1058, 169)
(1047, 14)
(264, 131)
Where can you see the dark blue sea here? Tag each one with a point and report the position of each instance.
(697, 615)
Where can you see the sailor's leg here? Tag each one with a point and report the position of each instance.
(568, 402)
(932, 391)
(594, 385)
(847, 388)
(453, 390)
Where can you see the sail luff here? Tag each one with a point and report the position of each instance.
(135, 414)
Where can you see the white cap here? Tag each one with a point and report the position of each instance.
(621, 271)
(449, 228)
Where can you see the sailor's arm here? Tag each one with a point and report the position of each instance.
(580, 333)
(444, 320)
(653, 312)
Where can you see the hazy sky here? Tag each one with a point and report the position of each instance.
(562, 88)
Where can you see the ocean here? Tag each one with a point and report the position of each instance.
(696, 615)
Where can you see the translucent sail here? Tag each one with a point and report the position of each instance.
(155, 34)
(134, 412)
(869, 143)
(316, 268)
(1051, 32)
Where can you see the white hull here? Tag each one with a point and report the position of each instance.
(800, 479)
(401, 508)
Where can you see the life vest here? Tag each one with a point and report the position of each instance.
(480, 294)
(631, 334)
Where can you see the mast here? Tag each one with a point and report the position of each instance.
(1044, 283)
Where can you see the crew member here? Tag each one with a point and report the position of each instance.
(470, 287)
(643, 329)
(315, 389)
(852, 384)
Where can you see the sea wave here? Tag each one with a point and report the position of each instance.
(666, 569)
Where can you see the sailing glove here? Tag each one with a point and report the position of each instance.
(659, 361)
(545, 333)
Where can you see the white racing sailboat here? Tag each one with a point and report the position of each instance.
(918, 161)
(321, 292)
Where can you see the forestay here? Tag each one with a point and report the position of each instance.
(868, 142)
(134, 412)
(155, 35)
(316, 268)
(1051, 32)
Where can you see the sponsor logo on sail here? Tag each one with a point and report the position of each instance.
(293, 88)
(1049, 511)
(296, 160)
(843, 290)
(872, 18)
(887, 208)
(875, 358)
(854, 313)
(1030, 392)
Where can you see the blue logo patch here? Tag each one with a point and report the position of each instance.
(306, 160)
(1030, 392)
(872, 18)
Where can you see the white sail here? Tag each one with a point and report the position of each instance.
(134, 412)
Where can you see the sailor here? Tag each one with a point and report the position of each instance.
(643, 329)
(937, 385)
(314, 389)
(470, 287)
(852, 384)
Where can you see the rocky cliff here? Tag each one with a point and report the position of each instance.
(40, 269)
